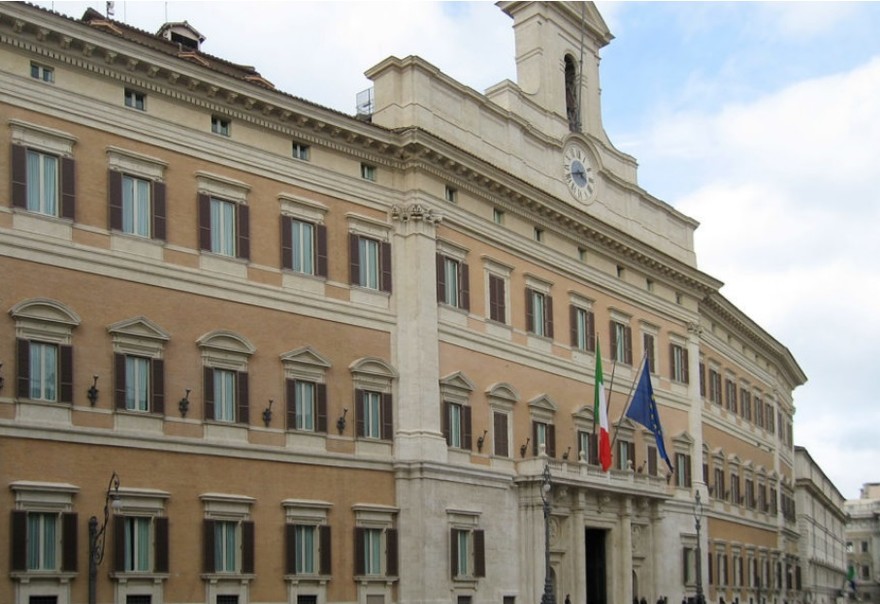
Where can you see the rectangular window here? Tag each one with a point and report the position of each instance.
(750, 493)
(682, 470)
(304, 404)
(543, 435)
(372, 551)
(451, 194)
(368, 172)
(497, 216)
(745, 403)
(497, 295)
(372, 415)
(499, 426)
(370, 263)
(719, 483)
(689, 573)
(468, 553)
(223, 227)
(759, 412)
(730, 395)
(135, 99)
(301, 151)
(621, 342)
(302, 237)
(864, 547)
(539, 313)
(224, 395)
(42, 541)
(648, 344)
(43, 371)
(226, 547)
(137, 544)
(42, 183)
(41, 72)
(626, 455)
(457, 426)
(583, 329)
(138, 599)
(539, 234)
(679, 362)
(588, 447)
(452, 282)
(137, 383)
(304, 542)
(714, 386)
(219, 125)
(136, 208)
(734, 489)
(462, 544)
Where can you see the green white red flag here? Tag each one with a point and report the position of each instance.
(600, 414)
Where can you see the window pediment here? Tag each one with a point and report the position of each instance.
(543, 403)
(585, 414)
(45, 310)
(139, 327)
(226, 341)
(373, 367)
(457, 383)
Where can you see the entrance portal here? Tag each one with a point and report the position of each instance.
(595, 561)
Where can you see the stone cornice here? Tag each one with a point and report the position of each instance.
(718, 306)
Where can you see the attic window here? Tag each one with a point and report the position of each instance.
(184, 41)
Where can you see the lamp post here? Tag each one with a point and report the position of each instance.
(547, 598)
(698, 515)
(98, 535)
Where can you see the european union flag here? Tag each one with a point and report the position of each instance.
(643, 410)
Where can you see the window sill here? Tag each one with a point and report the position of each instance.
(133, 575)
(228, 577)
(25, 576)
(465, 582)
(307, 579)
(375, 579)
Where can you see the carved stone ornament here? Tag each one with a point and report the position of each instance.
(414, 211)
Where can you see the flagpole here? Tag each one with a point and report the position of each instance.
(629, 398)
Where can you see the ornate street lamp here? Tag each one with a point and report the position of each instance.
(547, 598)
(698, 515)
(98, 535)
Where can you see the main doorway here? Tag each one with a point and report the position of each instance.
(597, 592)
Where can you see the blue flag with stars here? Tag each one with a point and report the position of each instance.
(643, 410)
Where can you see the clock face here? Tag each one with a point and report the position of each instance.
(579, 174)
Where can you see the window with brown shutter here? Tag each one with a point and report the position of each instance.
(497, 308)
(500, 434)
(247, 547)
(241, 396)
(242, 231)
(326, 558)
(391, 555)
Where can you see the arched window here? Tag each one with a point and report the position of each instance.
(572, 110)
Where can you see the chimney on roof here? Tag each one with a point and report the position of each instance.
(183, 34)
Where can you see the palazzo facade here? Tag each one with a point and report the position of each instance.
(329, 357)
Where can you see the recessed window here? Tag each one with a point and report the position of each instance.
(498, 216)
(219, 125)
(539, 234)
(41, 72)
(649, 284)
(368, 172)
(539, 313)
(135, 99)
(451, 194)
(620, 272)
(301, 151)
(677, 298)
(452, 282)
(582, 254)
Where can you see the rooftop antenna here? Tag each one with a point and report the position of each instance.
(110, 6)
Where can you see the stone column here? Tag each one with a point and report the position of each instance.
(418, 434)
(623, 591)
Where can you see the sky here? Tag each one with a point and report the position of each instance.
(759, 120)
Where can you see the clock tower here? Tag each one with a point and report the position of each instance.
(557, 59)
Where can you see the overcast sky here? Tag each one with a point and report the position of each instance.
(759, 120)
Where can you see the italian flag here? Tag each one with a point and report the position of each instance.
(600, 413)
